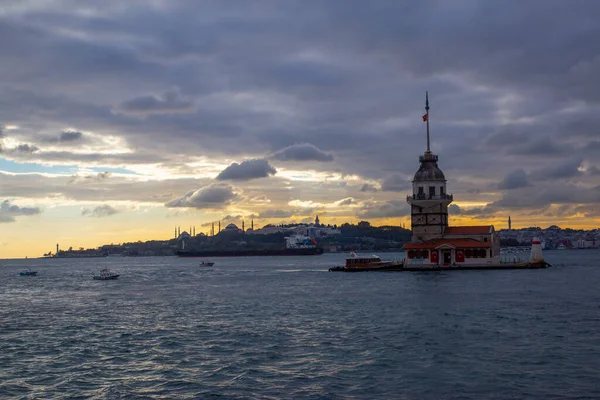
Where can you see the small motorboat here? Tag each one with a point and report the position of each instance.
(207, 264)
(28, 272)
(105, 275)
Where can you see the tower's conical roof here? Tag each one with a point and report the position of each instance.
(429, 170)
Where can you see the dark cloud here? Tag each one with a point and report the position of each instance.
(25, 148)
(100, 211)
(302, 152)
(70, 136)
(247, 170)
(563, 170)
(395, 183)
(214, 196)
(8, 212)
(454, 209)
(169, 102)
(543, 146)
(367, 187)
(389, 209)
(514, 180)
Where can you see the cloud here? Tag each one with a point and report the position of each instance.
(70, 136)
(273, 213)
(8, 212)
(100, 176)
(214, 196)
(345, 202)
(25, 148)
(395, 183)
(247, 170)
(170, 102)
(367, 187)
(388, 209)
(302, 152)
(567, 169)
(454, 209)
(592, 170)
(100, 211)
(514, 180)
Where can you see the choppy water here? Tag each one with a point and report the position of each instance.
(285, 328)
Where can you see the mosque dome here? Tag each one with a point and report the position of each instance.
(232, 227)
(429, 170)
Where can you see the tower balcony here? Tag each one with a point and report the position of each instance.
(428, 197)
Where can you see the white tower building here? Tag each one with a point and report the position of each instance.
(429, 201)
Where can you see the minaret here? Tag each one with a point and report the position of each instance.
(219, 227)
(178, 231)
(509, 223)
(194, 230)
(243, 229)
(317, 221)
(429, 201)
(56, 248)
(252, 224)
(212, 230)
(175, 232)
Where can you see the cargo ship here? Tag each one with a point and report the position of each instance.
(296, 245)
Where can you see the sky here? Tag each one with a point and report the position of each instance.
(122, 120)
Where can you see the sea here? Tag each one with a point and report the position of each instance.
(286, 328)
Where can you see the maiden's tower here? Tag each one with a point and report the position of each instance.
(434, 242)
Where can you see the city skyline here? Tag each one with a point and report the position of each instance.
(121, 121)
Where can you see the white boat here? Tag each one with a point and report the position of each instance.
(105, 275)
(561, 247)
(28, 272)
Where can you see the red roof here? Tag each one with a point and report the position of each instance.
(468, 230)
(461, 243)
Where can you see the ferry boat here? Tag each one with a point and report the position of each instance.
(295, 245)
(356, 263)
(105, 275)
(28, 272)
(207, 263)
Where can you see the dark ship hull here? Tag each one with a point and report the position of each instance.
(309, 251)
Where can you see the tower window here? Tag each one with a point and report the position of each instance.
(431, 191)
(421, 190)
(441, 190)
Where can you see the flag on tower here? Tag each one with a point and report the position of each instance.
(425, 118)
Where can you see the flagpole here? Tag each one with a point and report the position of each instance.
(427, 113)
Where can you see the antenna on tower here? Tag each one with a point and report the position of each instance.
(426, 118)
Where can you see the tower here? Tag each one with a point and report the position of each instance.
(509, 223)
(219, 227)
(252, 224)
(429, 201)
(317, 221)
(243, 229)
(212, 230)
